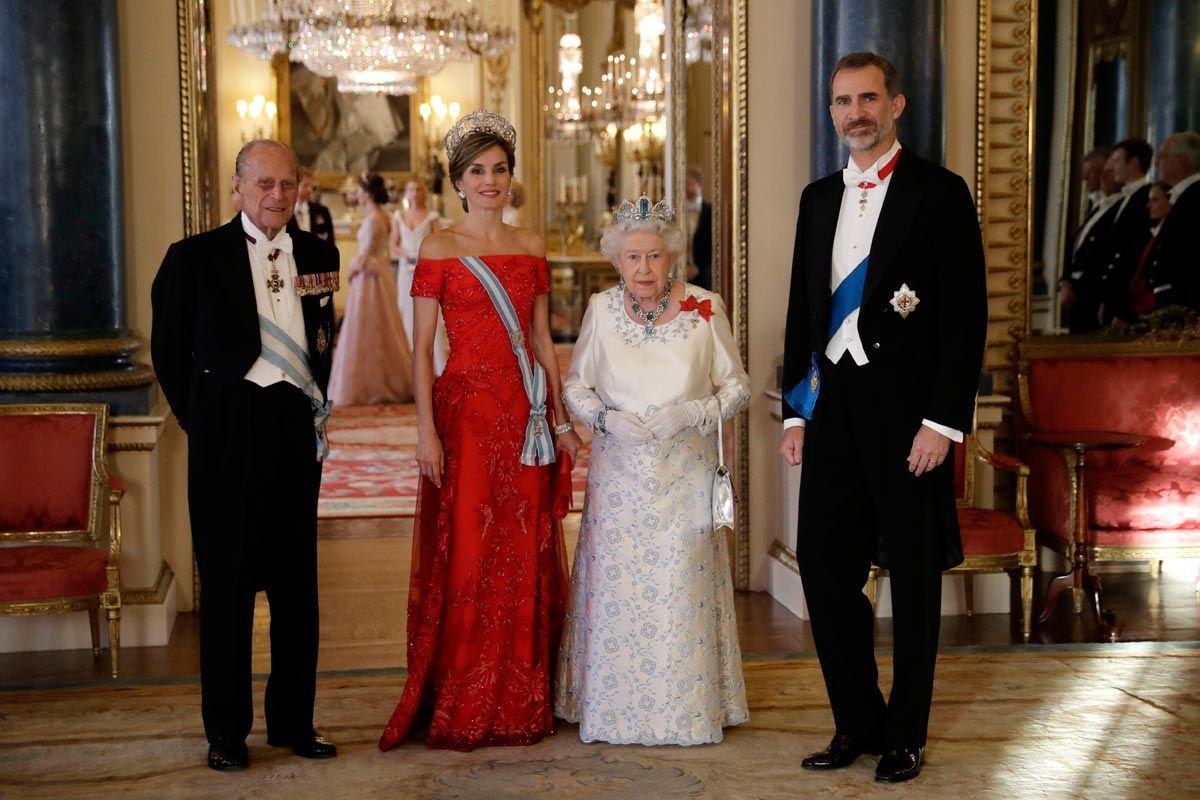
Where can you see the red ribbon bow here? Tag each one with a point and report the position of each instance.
(704, 307)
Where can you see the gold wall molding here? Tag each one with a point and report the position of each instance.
(137, 375)
(785, 555)
(197, 114)
(69, 348)
(1005, 102)
(151, 595)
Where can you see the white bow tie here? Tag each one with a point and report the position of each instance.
(853, 177)
(282, 242)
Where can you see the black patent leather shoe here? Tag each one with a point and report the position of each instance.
(228, 756)
(311, 745)
(842, 751)
(901, 765)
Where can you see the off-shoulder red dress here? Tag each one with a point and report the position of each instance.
(488, 588)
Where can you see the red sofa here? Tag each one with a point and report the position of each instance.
(1143, 504)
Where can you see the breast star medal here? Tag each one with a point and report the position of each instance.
(274, 282)
(322, 340)
(904, 301)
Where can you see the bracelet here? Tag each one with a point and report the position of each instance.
(566, 427)
(600, 420)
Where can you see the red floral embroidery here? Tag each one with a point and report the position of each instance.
(690, 303)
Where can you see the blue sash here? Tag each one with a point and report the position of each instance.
(846, 298)
(282, 351)
(538, 449)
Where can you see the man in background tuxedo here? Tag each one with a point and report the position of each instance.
(1173, 271)
(310, 215)
(240, 341)
(699, 221)
(1092, 167)
(885, 336)
(1127, 237)
(1080, 310)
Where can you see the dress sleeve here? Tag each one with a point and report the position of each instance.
(427, 279)
(729, 378)
(541, 277)
(579, 385)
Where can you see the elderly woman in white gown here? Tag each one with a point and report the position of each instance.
(650, 651)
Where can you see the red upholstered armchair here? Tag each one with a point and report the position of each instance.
(1143, 504)
(993, 541)
(57, 501)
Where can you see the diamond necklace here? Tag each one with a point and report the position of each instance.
(648, 317)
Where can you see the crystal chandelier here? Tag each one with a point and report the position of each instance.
(574, 109)
(698, 31)
(369, 45)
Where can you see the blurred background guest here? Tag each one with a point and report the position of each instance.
(1173, 273)
(310, 215)
(410, 225)
(1079, 306)
(1093, 166)
(1126, 240)
(372, 362)
(512, 214)
(699, 222)
(1158, 203)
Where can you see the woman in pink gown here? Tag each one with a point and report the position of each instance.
(372, 363)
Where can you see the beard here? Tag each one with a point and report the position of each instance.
(867, 134)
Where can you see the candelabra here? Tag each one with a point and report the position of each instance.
(646, 143)
(571, 227)
(257, 116)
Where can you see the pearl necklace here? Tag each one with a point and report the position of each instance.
(648, 317)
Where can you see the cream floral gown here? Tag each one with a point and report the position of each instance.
(650, 651)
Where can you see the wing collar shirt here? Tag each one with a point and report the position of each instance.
(282, 307)
(1181, 187)
(851, 244)
(1128, 190)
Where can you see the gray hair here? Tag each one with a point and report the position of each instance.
(239, 164)
(1186, 144)
(614, 238)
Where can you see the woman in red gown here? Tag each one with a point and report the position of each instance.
(488, 588)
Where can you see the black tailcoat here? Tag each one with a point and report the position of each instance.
(858, 502)
(1118, 259)
(320, 221)
(253, 477)
(1173, 272)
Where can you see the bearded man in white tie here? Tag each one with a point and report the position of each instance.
(885, 337)
(241, 339)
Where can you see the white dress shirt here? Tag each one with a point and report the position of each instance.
(1101, 209)
(1128, 190)
(303, 220)
(1181, 187)
(282, 307)
(851, 243)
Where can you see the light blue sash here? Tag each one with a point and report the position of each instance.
(538, 449)
(282, 351)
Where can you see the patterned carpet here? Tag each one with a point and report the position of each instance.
(371, 470)
(1113, 721)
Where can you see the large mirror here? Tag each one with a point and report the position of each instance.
(642, 97)
(1113, 81)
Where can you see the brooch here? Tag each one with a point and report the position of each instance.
(904, 301)
(316, 283)
(702, 307)
(322, 341)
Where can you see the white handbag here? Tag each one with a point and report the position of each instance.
(723, 499)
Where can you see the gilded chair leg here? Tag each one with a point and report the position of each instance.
(969, 593)
(1156, 569)
(114, 638)
(94, 619)
(1026, 603)
(873, 587)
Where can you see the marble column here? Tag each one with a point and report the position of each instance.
(1173, 69)
(62, 283)
(910, 34)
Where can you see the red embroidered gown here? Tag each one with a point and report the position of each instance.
(488, 589)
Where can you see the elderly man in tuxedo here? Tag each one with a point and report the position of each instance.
(241, 338)
(1173, 271)
(885, 336)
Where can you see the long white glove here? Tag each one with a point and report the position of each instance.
(626, 427)
(666, 422)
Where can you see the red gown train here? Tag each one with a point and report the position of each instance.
(488, 589)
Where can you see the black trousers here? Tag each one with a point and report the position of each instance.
(253, 481)
(856, 496)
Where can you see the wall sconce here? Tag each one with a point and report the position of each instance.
(437, 116)
(258, 118)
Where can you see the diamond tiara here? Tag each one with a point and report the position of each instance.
(643, 210)
(479, 121)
